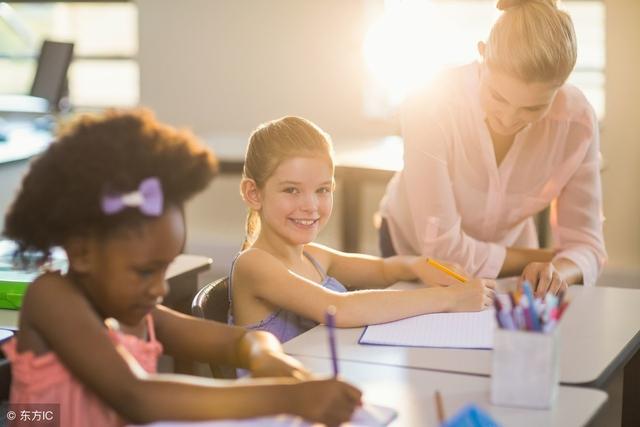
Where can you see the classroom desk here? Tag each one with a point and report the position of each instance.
(411, 393)
(182, 276)
(600, 337)
(20, 139)
(600, 333)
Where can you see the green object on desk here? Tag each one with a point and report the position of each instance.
(13, 285)
(11, 294)
(14, 281)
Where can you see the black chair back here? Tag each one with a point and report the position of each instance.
(211, 302)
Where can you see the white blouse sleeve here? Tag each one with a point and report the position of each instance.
(576, 215)
(429, 188)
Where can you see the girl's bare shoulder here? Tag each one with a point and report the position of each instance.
(253, 264)
(50, 289)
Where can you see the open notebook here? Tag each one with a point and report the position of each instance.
(450, 330)
(367, 416)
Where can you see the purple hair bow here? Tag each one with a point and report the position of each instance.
(148, 198)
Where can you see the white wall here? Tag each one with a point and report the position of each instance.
(227, 65)
(621, 134)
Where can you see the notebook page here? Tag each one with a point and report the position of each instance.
(449, 330)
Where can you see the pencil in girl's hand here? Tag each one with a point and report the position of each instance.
(331, 324)
(446, 270)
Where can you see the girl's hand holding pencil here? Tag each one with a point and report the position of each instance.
(329, 401)
(468, 295)
(474, 295)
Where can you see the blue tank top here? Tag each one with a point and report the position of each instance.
(282, 323)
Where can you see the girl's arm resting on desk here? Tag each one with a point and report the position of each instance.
(213, 342)
(267, 279)
(359, 271)
(179, 397)
(122, 384)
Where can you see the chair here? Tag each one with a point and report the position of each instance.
(211, 302)
(5, 379)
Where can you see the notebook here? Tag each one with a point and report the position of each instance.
(366, 416)
(447, 330)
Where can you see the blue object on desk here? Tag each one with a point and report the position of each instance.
(533, 313)
(471, 416)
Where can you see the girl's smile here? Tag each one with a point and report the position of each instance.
(297, 200)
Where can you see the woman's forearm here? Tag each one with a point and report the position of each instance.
(518, 258)
(568, 270)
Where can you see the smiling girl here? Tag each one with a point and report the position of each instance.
(283, 282)
(111, 192)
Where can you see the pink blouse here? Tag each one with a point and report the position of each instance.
(44, 379)
(451, 201)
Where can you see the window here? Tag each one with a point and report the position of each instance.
(411, 40)
(104, 71)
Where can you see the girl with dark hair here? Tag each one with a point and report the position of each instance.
(110, 191)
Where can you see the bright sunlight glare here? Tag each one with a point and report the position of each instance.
(415, 39)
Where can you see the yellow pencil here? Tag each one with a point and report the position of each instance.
(444, 269)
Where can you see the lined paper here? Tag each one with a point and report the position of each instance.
(447, 330)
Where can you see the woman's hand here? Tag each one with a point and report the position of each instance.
(277, 364)
(544, 277)
(474, 295)
(431, 276)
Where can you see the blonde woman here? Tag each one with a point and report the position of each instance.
(283, 283)
(497, 142)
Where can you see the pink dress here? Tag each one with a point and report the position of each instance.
(45, 379)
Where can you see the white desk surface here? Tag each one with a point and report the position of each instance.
(411, 393)
(599, 333)
(183, 264)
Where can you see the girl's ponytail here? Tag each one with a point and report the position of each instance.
(252, 228)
